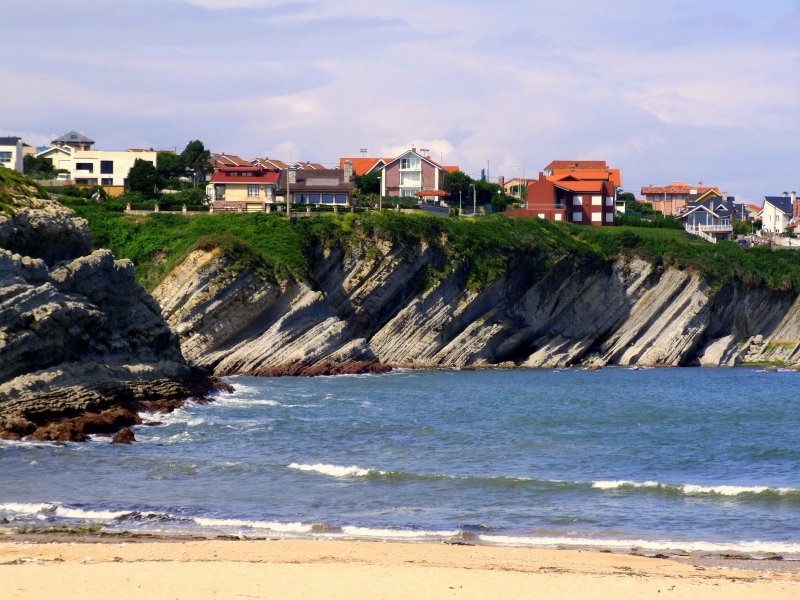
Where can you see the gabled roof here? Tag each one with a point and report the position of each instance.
(714, 204)
(254, 175)
(363, 165)
(73, 137)
(229, 160)
(69, 150)
(270, 163)
(576, 164)
(782, 203)
(413, 151)
(581, 186)
(677, 187)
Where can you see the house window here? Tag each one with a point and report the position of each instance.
(106, 181)
(609, 202)
(341, 199)
(327, 198)
(411, 162)
(411, 179)
(540, 215)
(669, 197)
(609, 217)
(84, 167)
(597, 217)
(252, 191)
(408, 192)
(314, 198)
(267, 191)
(577, 217)
(5, 157)
(558, 217)
(577, 201)
(106, 167)
(597, 201)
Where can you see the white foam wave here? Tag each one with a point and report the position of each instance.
(691, 489)
(79, 513)
(243, 523)
(23, 508)
(367, 532)
(745, 547)
(336, 471)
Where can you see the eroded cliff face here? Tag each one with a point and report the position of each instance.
(379, 307)
(77, 333)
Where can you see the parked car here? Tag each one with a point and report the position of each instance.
(743, 243)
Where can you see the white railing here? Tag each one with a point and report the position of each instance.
(705, 231)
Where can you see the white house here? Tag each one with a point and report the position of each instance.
(96, 167)
(11, 153)
(777, 212)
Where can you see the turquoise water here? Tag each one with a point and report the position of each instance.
(692, 459)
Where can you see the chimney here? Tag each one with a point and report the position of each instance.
(292, 177)
(501, 181)
(785, 194)
(348, 170)
(794, 196)
(724, 195)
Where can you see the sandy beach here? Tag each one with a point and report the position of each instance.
(324, 569)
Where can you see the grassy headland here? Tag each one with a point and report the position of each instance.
(280, 249)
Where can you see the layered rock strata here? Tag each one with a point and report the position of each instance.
(78, 335)
(371, 310)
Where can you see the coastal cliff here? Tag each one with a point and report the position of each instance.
(370, 302)
(82, 343)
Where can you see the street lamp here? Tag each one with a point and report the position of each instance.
(459, 203)
(474, 201)
(363, 152)
(291, 172)
(380, 191)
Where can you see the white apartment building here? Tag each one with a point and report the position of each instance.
(11, 153)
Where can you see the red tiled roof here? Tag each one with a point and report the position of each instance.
(576, 164)
(234, 175)
(270, 163)
(581, 186)
(229, 160)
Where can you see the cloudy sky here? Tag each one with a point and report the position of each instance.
(692, 90)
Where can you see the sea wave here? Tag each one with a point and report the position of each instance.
(744, 547)
(336, 471)
(400, 534)
(245, 523)
(688, 489)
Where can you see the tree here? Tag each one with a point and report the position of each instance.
(197, 158)
(38, 167)
(170, 165)
(143, 178)
(456, 182)
(369, 183)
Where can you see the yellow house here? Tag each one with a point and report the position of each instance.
(243, 188)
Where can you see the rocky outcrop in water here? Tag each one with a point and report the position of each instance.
(370, 310)
(78, 336)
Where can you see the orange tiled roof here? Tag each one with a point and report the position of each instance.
(230, 160)
(576, 164)
(581, 186)
(361, 165)
(678, 187)
(612, 175)
(270, 163)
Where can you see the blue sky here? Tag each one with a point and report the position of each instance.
(704, 90)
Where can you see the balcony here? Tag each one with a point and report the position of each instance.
(707, 232)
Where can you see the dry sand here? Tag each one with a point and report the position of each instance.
(324, 569)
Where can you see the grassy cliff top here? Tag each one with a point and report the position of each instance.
(280, 249)
(17, 191)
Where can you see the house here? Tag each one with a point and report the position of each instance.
(321, 187)
(671, 199)
(583, 170)
(11, 153)
(709, 215)
(243, 188)
(778, 212)
(590, 202)
(411, 172)
(72, 152)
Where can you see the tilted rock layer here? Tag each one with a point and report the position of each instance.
(374, 310)
(77, 333)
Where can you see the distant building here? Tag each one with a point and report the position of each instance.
(710, 215)
(72, 152)
(410, 173)
(243, 188)
(671, 199)
(778, 212)
(583, 192)
(11, 153)
(322, 187)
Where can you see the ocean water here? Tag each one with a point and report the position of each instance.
(704, 460)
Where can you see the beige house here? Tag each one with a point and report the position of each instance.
(242, 189)
(777, 212)
(105, 168)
